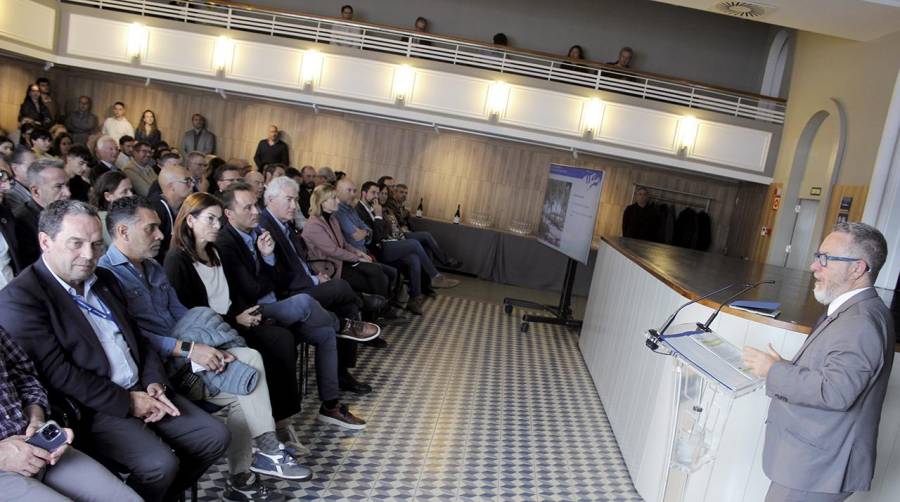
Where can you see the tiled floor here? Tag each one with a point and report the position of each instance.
(465, 408)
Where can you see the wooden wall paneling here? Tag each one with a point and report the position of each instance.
(501, 178)
(745, 219)
(857, 192)
(767, 214)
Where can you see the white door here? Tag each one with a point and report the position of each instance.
(802, 247)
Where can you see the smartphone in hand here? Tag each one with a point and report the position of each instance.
(49, 437)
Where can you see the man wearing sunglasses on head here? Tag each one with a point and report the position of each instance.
(826, 403)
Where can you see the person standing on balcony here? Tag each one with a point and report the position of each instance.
(345, 35)
(271, 150)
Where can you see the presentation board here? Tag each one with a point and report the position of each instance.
(570, 210)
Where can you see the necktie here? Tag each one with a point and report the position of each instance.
(820, 321)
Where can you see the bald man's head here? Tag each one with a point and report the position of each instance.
(176, 184)
(256, 180)
(346, 190)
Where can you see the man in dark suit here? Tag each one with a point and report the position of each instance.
(175, 184)
(70, 319)
(47, 183)
(826, 403)
(248, 257)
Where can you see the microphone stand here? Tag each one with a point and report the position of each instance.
(747, 287)
(654, 337)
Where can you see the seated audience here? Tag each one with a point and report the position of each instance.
(227, 175)
(47, 183)
(117, 125)
(195, 272)
(387, 242)
(25, 132)
(81, 122)
(198, 138)
(108, 188)
(325, 175)
(21, 158)
(273, 171)
(56, 130)
(396, 204)
(148, 130)
(30, 472)
(248, 259)
(10, 264)
(41, 143)
(72, 322)
(77, 163)
(196, 164)
(233, 375)
(106, 151)
(140, 169)
(386, 181)
(175, 184)
(34, 109)
(61, 144)
(322, 234)
(307, 184)
(271, 150)
(7, 146)
(126, 151)
(257, 182)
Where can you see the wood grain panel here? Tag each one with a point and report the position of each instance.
(503, 179)
(858, 194)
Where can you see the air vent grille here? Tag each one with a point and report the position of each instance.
(738, 8)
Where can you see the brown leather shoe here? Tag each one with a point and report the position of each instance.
(414, 305)
(442, 281)
(359, 331)
(341, 416)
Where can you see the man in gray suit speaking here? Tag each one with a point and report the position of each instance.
(826, 402)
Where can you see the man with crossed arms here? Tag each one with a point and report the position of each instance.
(826, 404)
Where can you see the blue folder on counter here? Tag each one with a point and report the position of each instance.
(768, 309)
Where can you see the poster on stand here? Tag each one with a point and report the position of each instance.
(570, 210)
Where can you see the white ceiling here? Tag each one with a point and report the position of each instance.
(861, 20)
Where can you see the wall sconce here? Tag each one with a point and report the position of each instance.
(592, 117)
(497, 99)
(404, 79)
(311, 68)
(137, 41)
(686, 134)
(223, 54)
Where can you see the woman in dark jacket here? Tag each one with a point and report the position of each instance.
(33, 108)
(147, 130)
(194, 270)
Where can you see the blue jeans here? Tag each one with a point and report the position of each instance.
(430, 244)
(409, 255)
(317, 327)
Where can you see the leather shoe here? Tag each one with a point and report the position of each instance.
(414, 305)
(373, 303)
(348, 383)
(453, 263)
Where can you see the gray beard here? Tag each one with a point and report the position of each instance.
(826, 296)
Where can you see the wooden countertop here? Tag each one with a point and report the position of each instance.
(694, 273)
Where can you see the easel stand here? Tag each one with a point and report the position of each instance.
(562, 313)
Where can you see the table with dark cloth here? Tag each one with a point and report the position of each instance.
(500, 256)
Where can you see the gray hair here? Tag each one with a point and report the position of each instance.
(327, 173)
(867, 243)
(279, 185)
(36, 170)
(52, 216)
(105, 139)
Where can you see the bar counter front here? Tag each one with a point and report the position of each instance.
(636, 285)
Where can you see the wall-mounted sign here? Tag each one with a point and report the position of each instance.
(776, 202)
(815, 191)
(846, 202)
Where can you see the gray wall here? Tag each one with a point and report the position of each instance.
(670, 40)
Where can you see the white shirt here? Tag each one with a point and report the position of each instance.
(123, 369)
(117, 128)
(840, 300)
(6, 271)
(217, 292)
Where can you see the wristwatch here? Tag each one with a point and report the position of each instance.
(186, 348)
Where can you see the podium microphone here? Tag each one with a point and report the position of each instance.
(747, 287)
(655, 336)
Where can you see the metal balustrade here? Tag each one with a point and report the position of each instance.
(453, 51)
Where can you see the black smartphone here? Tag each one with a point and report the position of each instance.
(49, 437)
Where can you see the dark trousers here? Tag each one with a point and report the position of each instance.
(409, 256)
(366, 278)
(338, 296)
(278, 348)
(430, 244)
(163, 458)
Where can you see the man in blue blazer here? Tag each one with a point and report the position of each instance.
(826, 402)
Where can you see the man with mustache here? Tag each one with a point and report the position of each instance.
(826, 404)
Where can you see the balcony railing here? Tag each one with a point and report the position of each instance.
(365, 36)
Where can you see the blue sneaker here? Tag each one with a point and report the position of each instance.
(280, 465)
